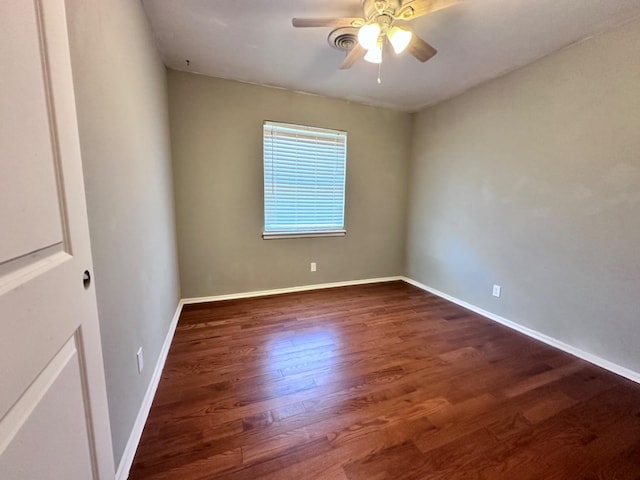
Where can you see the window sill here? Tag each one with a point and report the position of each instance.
(276, 236)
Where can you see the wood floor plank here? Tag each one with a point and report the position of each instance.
(379, 381)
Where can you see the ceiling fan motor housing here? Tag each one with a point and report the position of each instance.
(373, 8)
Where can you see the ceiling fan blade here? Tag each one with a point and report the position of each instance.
(356, 53)
(327, 22)
(416, 8)
(420, 49)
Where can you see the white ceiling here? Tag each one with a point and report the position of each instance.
(254, 41)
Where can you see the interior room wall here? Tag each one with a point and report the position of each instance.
(532, 181)
(216, 138)
(121, 98)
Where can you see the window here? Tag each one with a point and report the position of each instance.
(304, 179)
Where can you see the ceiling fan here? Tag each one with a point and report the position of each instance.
(376, 27)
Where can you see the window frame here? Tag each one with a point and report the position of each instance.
(293, 233)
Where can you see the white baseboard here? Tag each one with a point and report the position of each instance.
(277, 291)
(134, 439)
(589, 357)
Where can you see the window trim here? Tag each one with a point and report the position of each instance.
(276, 235)
(283, 234)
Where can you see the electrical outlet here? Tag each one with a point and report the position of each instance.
(140, 360)
(496, 290)
(313, 266)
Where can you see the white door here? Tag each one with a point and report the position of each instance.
(53, 408)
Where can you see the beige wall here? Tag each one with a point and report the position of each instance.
(216, 136)
(121, 99)
(532, 181)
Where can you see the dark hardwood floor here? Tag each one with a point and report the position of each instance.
(381, 381)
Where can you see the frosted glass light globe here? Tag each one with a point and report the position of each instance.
(368, 35)
(399, 38)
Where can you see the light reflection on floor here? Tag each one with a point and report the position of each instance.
(294, 354)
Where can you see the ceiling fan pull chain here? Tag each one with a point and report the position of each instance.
(380, 64)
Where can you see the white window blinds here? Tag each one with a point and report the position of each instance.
(304, 180)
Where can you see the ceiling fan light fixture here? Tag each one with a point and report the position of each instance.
(374, 54)
(368, 35)
(399, 39)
